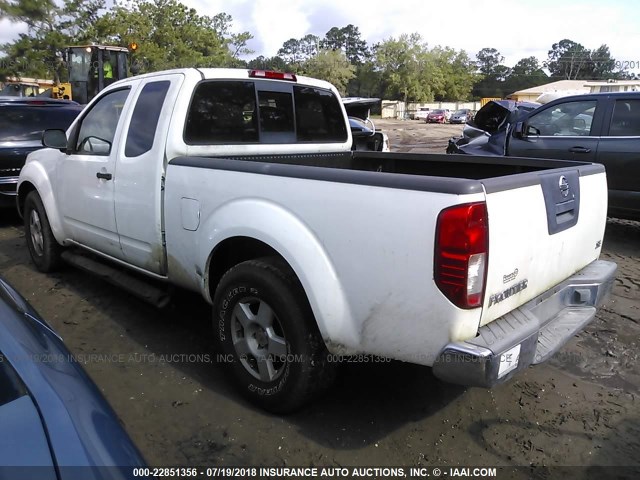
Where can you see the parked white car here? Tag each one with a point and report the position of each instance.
(421, 114)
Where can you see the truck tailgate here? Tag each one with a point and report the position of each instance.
(543, 227)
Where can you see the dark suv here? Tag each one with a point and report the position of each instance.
(597, 127)
(22, 121)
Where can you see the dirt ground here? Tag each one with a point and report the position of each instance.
(580, 408)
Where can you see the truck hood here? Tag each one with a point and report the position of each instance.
(487, 132)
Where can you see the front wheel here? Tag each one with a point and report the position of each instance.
(265, 328)
(45, 251)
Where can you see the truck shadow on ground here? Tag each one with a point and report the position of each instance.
(368, 401)
(355, 412)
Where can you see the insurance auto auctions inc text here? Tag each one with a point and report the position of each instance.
(373, 472)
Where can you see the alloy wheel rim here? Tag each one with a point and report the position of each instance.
(258, 339)
(35, 229)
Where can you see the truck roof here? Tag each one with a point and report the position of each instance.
(237, 73)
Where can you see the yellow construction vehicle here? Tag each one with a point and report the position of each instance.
(93, 67)
(34, 87)
(90, 68)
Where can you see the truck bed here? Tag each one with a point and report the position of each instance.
(360, 214)
(457, 174)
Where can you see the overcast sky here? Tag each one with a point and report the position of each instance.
(516, 28)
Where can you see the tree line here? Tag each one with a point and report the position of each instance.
(171, 35)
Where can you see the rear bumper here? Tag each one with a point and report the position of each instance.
(530, 334)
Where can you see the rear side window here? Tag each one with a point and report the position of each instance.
(318, 115)
(144, 120)
(276, 111)
(222, 112)
(26, 123)
(625, 121)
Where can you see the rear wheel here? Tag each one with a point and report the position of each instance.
(45, 251)
(264, 324)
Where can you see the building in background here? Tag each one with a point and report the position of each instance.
(560, 88)
(597, 86)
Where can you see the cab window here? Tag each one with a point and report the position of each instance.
(222, 112)
(98, 127)
(232, 112)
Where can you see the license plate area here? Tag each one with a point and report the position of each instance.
(509, 361)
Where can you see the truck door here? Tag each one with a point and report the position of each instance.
(87, 175)
(565, 130)
(141, 169)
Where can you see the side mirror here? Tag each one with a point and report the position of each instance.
(54, 138)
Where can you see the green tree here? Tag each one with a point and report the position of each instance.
(526, 73)
(268, 63)
(236, 42)
(309, 46)
(348, 40)
(332, 66)
(367, 81)
(297, 51)
(51, 26)
(569, 60)
(291, 52)
(494, 73)
(171, 35)
(488, 61)
(457, 74)
(408, 69)
(603, 65)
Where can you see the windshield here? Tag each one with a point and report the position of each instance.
(79, 64)
(20, 123)
(438, 112)
(461, 112)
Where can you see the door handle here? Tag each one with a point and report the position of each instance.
(580, 150)
(104, 176)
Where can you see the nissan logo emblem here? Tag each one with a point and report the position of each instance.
(563, 185)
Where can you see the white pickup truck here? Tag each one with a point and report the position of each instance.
(242, 185)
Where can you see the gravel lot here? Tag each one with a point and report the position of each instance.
(158, 371)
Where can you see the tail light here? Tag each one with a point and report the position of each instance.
(272, 75)
(462, 242)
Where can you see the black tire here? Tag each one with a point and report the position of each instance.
(44, 249)
(280, 367)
